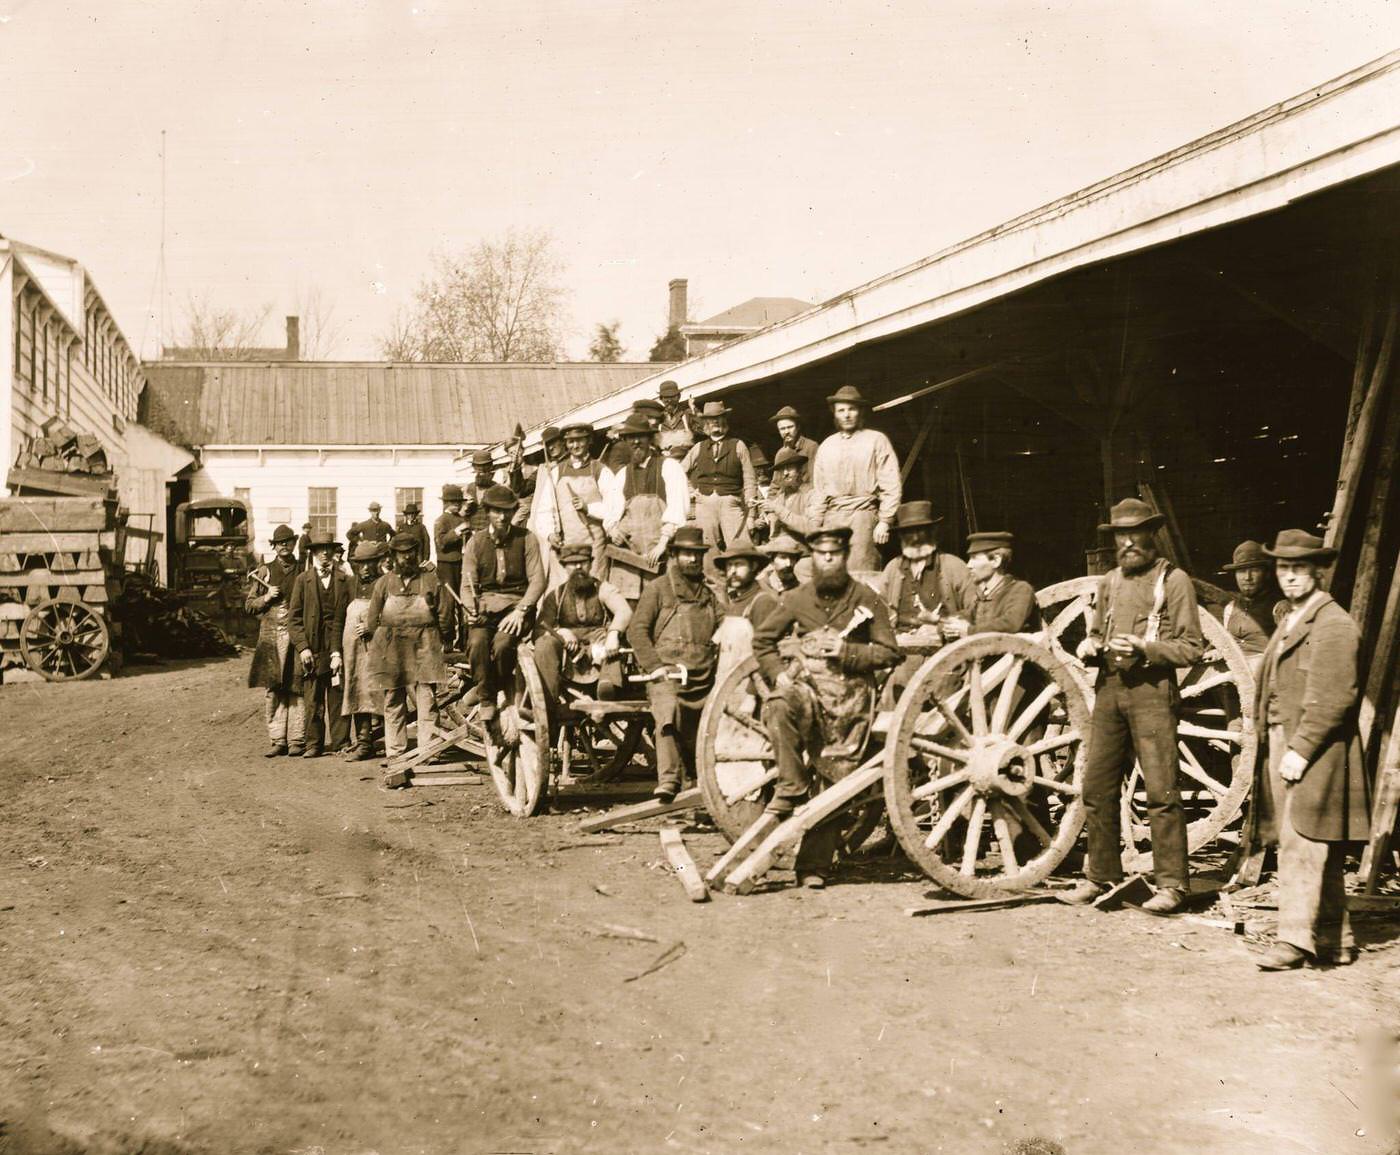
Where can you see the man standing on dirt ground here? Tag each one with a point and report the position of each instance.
(855, 480)
(581, 497)
(360, 702)
(645, 500)
(822, 701)
(1249, 617)
(304, 547)
(268, 598)
(447, 538)
(316, 623)
(671, 635)
(1312, 798)
(1145, 627)
(405, 647)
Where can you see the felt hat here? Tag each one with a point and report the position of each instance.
(786, 457)
(411, 507)
(758, 458)
(915, 514)
(647, 405)
(981, 542)
(321, 538)
(786, 413)
(849, 394)
(783, 543)
(841, 534)
(634, 425)
(451, 492)
(500, 497)
(375, 507)
(1300, 545)
(577, 427)
(483, 458)
(1247, 555)
(689, 537)
(549, 433)
(283, 533)
(741, 548)
(305, 525)
(368, 551)
(404, 542)
(577, 551)
(668, 389)
(715, 409)
(1132, 513)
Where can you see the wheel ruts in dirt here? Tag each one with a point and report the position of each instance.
(65, 641)
(517, 743)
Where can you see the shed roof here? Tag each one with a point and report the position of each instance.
(367, 403)
(754, 313)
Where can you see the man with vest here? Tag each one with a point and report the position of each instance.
(316, 625)
(448, 531)
(855, 478)
(273, 657)
(546, 517)
(788, 506)
(788, 422)
(405, 647)
(502, 582)
(412, 522)
(1004, 604)
(646, 499)
(1249, 616)
(483, 478)
(373, 528)
(1145, 627)
(822, 699)
(720, 472)
(581, 622)
(671, 634)
(676, 430)
(360, 702)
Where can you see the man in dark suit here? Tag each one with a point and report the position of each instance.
(316, 624)
(1312, 800)
(448, 531)
(373, 528)
(412, 523)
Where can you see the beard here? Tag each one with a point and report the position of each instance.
(918, 552)
(733, 587)
(832, 581)
(582, 583)
(1133, 559)
(787, 578)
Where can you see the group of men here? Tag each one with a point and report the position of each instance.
(676, 526)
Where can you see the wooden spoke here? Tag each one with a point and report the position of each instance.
(937, 785)
(973, 840)
(1052, 742)
(1002, 828)
(948, 817)
(977, 698)
(1007, 698)
(746, 720)
(1192, 768)
(954, 721)
(1032, 712)
(1191, 730)
(1059, 787)
(1030, 821)
(1209, 682)
(937, 749)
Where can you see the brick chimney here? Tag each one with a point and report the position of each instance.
(679, 304)
(293, 339)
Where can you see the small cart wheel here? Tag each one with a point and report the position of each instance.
(517, 742)
(64, 641)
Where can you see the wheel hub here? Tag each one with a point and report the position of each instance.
(999, 767)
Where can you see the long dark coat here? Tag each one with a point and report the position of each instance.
(1313, 672)
(316, 619)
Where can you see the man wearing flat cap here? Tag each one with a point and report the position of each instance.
(360, 702)
(412, 522)
(788, 423)
(373, 528)
(316, 623)
(448, 533)
(405, 647)
(722, 481)
(273, 664)
(788, 506)
(646, 500)
(677, 430)
(581, 623)
(855, 478)
(1248, 617)
(1310, 792)
(1004, 604)
(671, 634)
(820, 706)
(1145, 627)
(503, 580)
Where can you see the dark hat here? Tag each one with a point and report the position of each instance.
(305, 525)
(980, 542)
(715, 409)
(403, 542)
(500, 497)
(1247, 555)
(549, 433)
(322, 537)
(375, 507)
(451, 492)
(483, 457)
(848, 393)
(758, 458)
(647, 405)
(841, 534)
(576, 427)
(669, 389)
(689, 537)
(283, 533)
(577, 551)
(785, 457)
(786, 413)
(1300, 545)
(741, 548)
(914, 514)
(1132, 513)
(783, 543)
(634, 424)
(368, 551)
(411, 507)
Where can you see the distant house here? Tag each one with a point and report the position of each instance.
(319, 440)
(754, 314)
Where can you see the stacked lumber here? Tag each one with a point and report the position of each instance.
(154, 620)
(56, 547)
(62, 449)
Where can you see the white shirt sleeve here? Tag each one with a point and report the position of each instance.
(542, 521)
(609, 509)
(677, 495)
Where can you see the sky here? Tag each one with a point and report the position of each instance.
(764, 149)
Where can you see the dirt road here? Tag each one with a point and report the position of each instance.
(205, 951)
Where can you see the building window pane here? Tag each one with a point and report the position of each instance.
(403, 496)
(321, 506)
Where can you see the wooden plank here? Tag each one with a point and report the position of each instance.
(45, 577)
(422, 779)
(67, 484)
(1386, 808)
(51, 542)
(673, 846)
(652, 808)
(1134, 888)
(742, 845)
(54, 514)
(441, 741)
(1348, 480)
(1026, 898)
(1369, 571)
(1375, 903)
(13, 611)
(1381, 664)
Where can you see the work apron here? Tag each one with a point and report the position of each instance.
(406, 649)
(640, 524)
(842, 704)
(359, 695)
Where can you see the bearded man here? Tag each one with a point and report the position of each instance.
(412, 523)
(1145, 627)
(569, 505)
(822, 700)
(788, 505)
(273, 655)
(360, 702)
(645, 500)
(483, 478)
(855, 478)
(783, 552)
(546, 517)
(788, 423)
(582, 621)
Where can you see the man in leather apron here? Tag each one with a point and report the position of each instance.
(360, 702)
(823, 686)
(269, 597)
(405, 645)
(671, 634)
(645, 500)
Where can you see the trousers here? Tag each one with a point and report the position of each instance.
(549, 660)
(491, 652)
(676, 721)
(286, 721)
(721, 519)
(449, 613)
(323, 724)
(396, 716)
(1312, 899)
(1134, 714)
(362, 731)
(865, 554)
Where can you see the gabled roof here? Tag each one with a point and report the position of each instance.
(755, 313)
(317, 403)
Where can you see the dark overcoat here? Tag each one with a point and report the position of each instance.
(316, 619)
(1312, 671)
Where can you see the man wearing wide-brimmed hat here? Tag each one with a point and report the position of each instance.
(646, 499)
(677, 429)
(924, 585)
(722, 481)
(316, 624)
(411, 521)
(788, 423)
(1249, 616)
(448, 532)
(546, 515)
(273, 659)
(483, 478)
(671, 634)
(744, 601)
(1145, 627)
(360, 702)
(855, 479)
(788, 506)
(1312, 800)
(581, 622)
(784, 553)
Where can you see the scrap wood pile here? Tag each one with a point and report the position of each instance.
(61, 450)
(155, 621)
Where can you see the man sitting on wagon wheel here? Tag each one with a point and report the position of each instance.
(671, 634)
(581, 623)
(822, 699)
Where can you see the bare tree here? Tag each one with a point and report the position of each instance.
(220, 334)
(320, 330)
(606, 345)
(501, 300)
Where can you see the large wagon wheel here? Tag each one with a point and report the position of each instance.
(735, 764)
(1215, 736)
(609, 744)
(458, 709)
(517, 743)
(984, 764)
(64, 641)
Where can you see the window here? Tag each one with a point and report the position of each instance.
(320, 504)
(403, 496)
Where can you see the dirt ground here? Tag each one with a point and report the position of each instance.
(202, 950)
